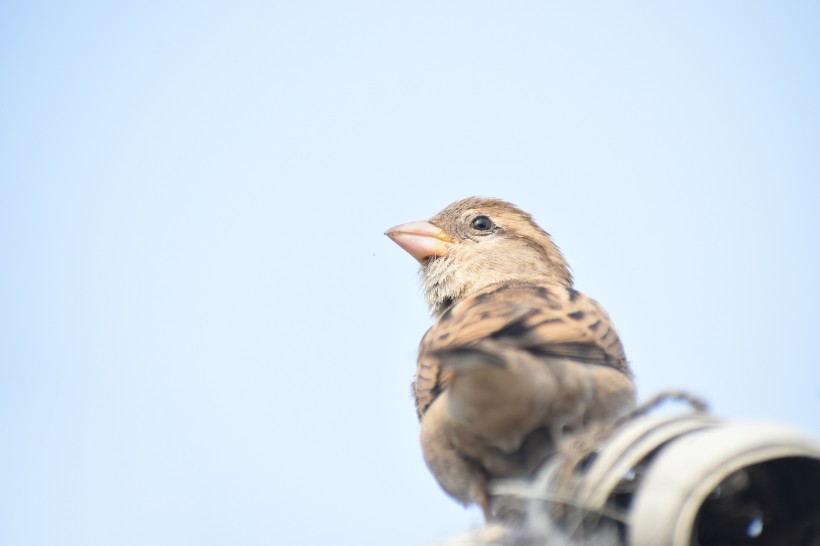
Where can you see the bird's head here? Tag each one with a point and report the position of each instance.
(476, 242)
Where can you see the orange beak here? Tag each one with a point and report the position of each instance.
(420, 239)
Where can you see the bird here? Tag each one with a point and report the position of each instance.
(516, 358)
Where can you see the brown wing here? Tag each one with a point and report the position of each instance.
(543, 319)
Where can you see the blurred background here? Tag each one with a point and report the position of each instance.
(205, 337)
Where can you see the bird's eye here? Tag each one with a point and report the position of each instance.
(482, 223)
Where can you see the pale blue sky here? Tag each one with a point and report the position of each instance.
(205, 339)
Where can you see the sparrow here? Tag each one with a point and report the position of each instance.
(516, 358)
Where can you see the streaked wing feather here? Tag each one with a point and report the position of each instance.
(544, 319)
